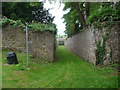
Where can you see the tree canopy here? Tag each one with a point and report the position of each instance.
(31, 13)
(26, 12)
(84, 14)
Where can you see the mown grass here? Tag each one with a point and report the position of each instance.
(69, 71)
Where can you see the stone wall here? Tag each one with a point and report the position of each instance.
(111, 33)
(85, 43)
(41, 44)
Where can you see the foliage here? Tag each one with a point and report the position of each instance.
(35, 26)
(100, 51)
(104, 12)
(42, 27)
(73, 24)
(61, 74)
(31, 13)
(26, 12)
(6, 21)
(99, 12)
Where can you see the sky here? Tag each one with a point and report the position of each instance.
(56, 10)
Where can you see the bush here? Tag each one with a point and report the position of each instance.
(35, 26)
(6, 21)
(102, 15)
(42, 27)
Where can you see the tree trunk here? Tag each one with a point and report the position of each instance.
(82, 19)
(87, 8)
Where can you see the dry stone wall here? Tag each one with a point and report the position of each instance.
(41, 44)
(85, 44)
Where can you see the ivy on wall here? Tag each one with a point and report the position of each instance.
(101, 48)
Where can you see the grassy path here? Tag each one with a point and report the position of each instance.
(69, 72)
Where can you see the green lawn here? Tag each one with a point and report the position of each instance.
(69, 71)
